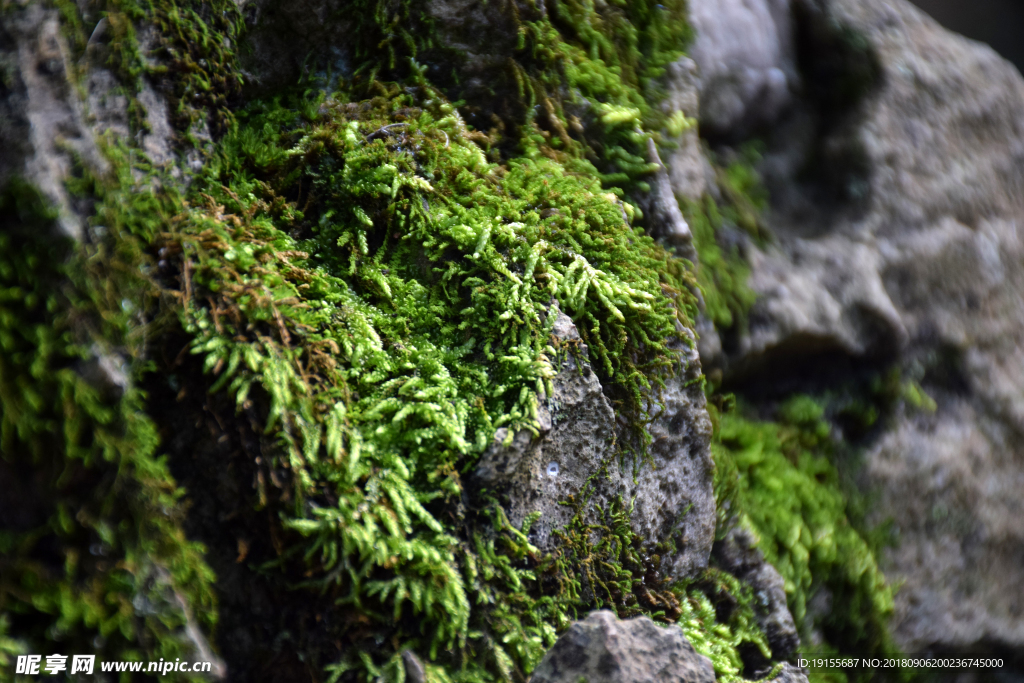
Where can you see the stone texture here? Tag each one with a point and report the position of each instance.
(907, 248)
(687, 166)
(744, 51)
(602, 649)
(42, 126)
(576, 442)
(790, 674)
(672, 495)
(737, 554)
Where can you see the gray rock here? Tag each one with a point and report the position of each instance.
(43, 123)
(51, 118)
(790, 674)
(602, 649)
(662, 209)
(688, 167)
(914, 255)
(737, 554)
(414, 671)
(671, 494)
(575, 444)
(744, 50)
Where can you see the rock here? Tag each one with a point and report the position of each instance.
(414, 671)
(672, 495)
(42, 124)
(744, 51)
(790, 674)
(51, 118)
(602, 649)
(906, 248)
(737, 554)
(687, 166)
(662, 210)
(576, 443)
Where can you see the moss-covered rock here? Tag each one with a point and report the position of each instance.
(298, 316)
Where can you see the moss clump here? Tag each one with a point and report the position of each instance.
(777, 478)
(93, 556)
(192, 55)
(578, 82)
(363, 272)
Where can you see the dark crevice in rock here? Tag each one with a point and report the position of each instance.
(213, 454)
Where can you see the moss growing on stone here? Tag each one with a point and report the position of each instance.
(721, 271)
(94, 558)
(368, 281)
(579, 83)
(777, 479)
(363, 271)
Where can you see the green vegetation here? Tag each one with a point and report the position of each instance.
(723, 271)
(579, 85)
(777, 479)
(394, 322)
(370, 277)
(95, 560)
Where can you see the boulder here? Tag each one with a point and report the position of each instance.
(746, 58)
(898, 201)
(602, 649)
(574, 457)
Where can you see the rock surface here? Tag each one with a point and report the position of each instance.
(43, 124)
(672, 495)
(744, 51)
(602, 649)
(790, 674)
(907, 249)
(737, 554)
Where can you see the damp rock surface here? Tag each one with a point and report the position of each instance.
(904, 249)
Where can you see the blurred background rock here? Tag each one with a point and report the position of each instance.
(1000, 23)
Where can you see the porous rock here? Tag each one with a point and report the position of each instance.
(602, 649)
(910, 252)
(671, 496)
(738, 554)
(576, 443)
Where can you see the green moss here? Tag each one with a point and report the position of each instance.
(364, 272)
(777, 479)
(722, 272)
(369, 283)
(193, 52)
(578, 85)
(95, 560)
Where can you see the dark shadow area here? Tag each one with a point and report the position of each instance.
(1000, 23)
